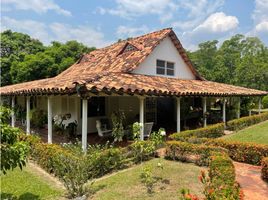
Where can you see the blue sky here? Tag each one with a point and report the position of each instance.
(101, 22)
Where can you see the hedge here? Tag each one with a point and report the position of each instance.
(250, 153)
(238, 124)
(221, 182)
(264, 168)
(197, 153)
(212, 131)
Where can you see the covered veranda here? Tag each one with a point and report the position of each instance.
(130, 91)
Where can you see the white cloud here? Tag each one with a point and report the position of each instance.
(260, 12)
(55, 31)
(84, 34)
(216, 26)
(34, 28)
(262, 27)
(129, 8)
(38, 6)
(196, 11)
(217, 23)
(260, 19)
(127, 31)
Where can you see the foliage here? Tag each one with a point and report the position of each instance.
(212, 131)
(25, 59)
(118, 128)
(187, 152)
(243, 122)
(186, 195)
(250, 153)
(71, 128)
(265, 101)
(158, 137)
(136, 130)
(239, 60)
(13, 152)
(264, 168)
(5, 114)
(220, 182)
(141, 150)
(38, 118)
(148, 178)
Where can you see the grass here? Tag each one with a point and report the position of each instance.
(256, 133)
(27, 185)
(126, 184)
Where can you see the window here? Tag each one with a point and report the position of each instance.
(164, 68)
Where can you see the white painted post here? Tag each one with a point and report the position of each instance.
(28, 129)
(204, 111)
(178, 114)
(142, 117)
(13, 112)
(84, 125)
(238, 109)
(224, 112)
(49, 120)
(259, 110)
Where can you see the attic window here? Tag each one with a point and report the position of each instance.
(129, 47)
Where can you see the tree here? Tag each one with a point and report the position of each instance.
(14, 47)
(13, 151)
(239, 60)
(26, 59)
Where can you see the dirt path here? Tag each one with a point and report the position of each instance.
(249, 178)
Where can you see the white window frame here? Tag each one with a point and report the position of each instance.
(165, 67)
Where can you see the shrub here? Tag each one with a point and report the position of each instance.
(220, 183)
(238, 124)
(264, 168)
(197, 153)
(141, 150)
(103, 161)
(212, 131)
(250, 153)
(265, 101)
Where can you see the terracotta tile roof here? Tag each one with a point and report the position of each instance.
(156, 85)
(110, 67)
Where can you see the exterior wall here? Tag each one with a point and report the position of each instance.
(168, 52)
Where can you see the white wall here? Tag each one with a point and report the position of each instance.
(168, 52)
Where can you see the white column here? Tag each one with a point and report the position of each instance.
(49, 120)
(28, 130)
(84, 124)
(13, 112)
(259, 110)
(142, 117)
(224, 112)
(178, 114)
(204, 111)
(238, 109)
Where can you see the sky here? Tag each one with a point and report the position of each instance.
(101, 22)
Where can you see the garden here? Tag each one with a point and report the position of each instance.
(197, 164)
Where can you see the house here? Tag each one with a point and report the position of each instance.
(147, 77)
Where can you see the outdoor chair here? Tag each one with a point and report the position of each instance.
(102, 131)
(148, 129)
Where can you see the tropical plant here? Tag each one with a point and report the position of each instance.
(13, 152)
(118, 128)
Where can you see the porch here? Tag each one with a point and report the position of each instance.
(171, 113)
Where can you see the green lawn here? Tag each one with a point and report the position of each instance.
(256, 133)
(27, 185)
(126, 184)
